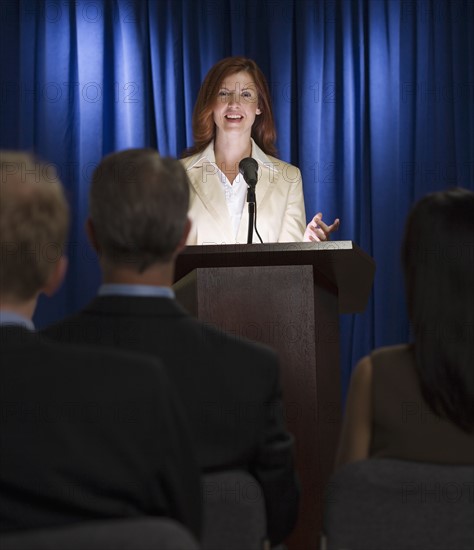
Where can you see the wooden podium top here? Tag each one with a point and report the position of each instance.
(342, 263)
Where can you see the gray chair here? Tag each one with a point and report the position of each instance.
(387, 504)
(234, 512)
(145, 533)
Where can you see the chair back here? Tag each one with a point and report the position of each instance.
(234, 512)
(115, 534)
(399, 505)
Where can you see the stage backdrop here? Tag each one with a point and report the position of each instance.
(374, 101)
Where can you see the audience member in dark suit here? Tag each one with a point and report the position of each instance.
(84, 433)
(416, 402)
(231, 388)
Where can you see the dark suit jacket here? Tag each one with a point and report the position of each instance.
(90, 433)
(230, 387)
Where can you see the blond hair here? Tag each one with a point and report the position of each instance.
(34, 218)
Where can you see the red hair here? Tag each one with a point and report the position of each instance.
(204, 130)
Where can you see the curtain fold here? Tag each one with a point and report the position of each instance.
(374, 101)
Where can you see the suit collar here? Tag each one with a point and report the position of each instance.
(263, 158)
(17, 335)
(197, 160)
(207, 155)
(135, 305)
(208, 187)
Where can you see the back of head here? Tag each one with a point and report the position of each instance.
(138, 206)
(438, 260)
(33, 225)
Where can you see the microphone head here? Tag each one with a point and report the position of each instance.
(248, 167)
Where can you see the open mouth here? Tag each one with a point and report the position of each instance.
(233, 117)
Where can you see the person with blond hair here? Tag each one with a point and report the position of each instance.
(85, 434)
(34, 225)
(233, 120)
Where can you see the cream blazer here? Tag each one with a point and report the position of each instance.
(280, 203)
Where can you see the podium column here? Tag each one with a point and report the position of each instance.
(293, 309)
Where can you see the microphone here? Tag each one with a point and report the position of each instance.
(248, 167)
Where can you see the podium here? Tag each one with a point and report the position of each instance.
(288, 296)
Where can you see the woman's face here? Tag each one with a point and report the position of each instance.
(236, 105)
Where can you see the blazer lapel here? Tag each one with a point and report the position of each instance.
(208, 188)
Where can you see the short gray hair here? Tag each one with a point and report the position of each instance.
(138, 205)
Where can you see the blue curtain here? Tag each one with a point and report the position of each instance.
(374, 101)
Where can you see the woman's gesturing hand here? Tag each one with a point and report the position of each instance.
(317, 230)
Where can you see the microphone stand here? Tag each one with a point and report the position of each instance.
(251, 200)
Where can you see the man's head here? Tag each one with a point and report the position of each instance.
(34, 221)
(138, 209)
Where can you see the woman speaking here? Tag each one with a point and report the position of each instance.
(233, 120)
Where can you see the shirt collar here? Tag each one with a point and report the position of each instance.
(204, 156)
(208, 156)
(263, 158)
(11, 318)
(148, 291)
